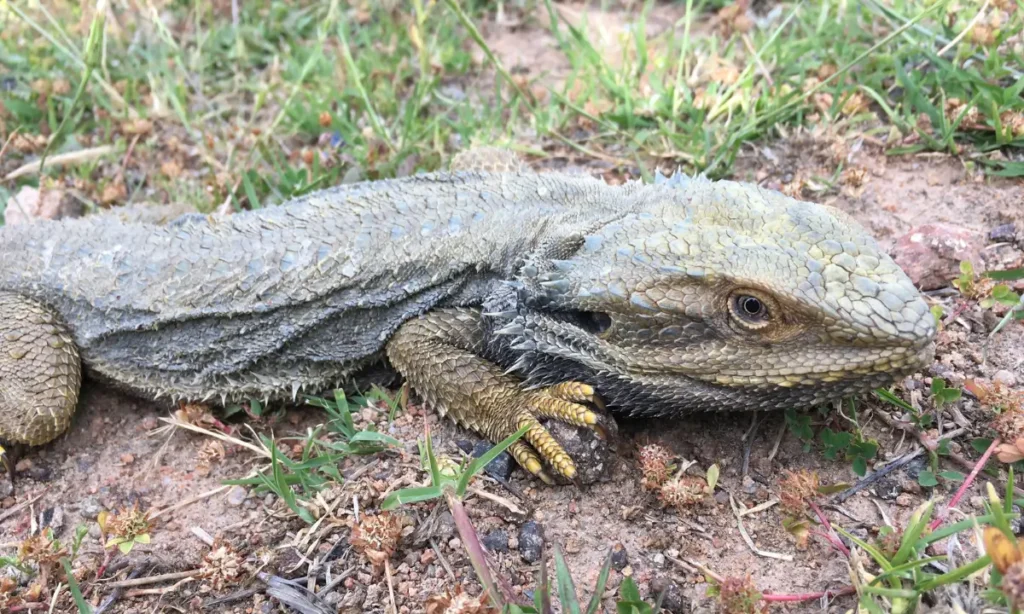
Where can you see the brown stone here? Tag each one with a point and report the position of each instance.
(30, 204)
(931, 254)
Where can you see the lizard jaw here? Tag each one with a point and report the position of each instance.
(665, 381)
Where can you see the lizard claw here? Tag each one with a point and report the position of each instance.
(565, 402)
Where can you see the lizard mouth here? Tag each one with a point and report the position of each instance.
(647, 379)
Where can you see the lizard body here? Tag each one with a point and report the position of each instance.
(501, 295)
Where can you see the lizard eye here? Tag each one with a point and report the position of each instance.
(749, 310)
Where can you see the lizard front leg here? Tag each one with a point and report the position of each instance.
(439, 355)
(40, 372)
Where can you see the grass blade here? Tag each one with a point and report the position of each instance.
(566, 588)
(602, 581)
(410, 495)
(76, 592)
(479, 463)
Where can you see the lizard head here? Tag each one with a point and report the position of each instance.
(717, 295)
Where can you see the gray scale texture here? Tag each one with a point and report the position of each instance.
(301, 296)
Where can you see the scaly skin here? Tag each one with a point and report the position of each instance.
(501, 295)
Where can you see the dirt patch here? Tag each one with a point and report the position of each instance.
(525, 44)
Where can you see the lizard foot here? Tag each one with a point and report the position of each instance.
(438, 353)
(568, 402)
(40, 371)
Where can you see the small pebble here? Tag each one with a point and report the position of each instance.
(237, 495)
(1004, 377)
(1004, 233)
(905, 500)
(52, 518)
(620, 558)
(659, 560)
(915, 466)
(672, 599)
(501, 467)
(89, 507)
(531, 541)
(455, 543)
(496, 541)
(39, 474)
(887, 488)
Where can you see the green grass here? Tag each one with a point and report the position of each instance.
(297, 96)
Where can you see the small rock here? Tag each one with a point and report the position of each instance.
(672, 599)
(501, 467)
(531, 541)
(659, 560)
(438, 526)
(914, 467)
(939, 548)
(749, 485)
(30, 204)
(905, 500)
(593, 457)
(237, 495)
(1004, 233)
(572, 545)
(620, 557)
(465, 445)
(887, 488)
(23, 464)
(496, 541)
(89, 507)
(127, 459)
(52, 518)
(39, 474)
(931, 254)
(1004, 377)
(455, 543)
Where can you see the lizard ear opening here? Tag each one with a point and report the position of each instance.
(594, 322)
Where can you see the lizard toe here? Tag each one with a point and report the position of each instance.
(546, 447)
(529, 460)
(566, 402)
